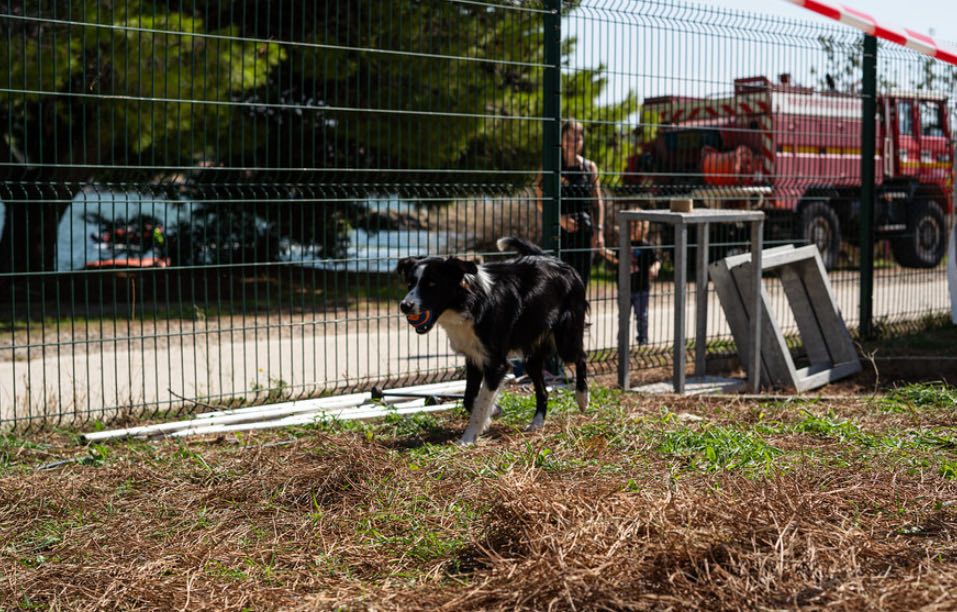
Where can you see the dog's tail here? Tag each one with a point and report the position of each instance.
(522, 247)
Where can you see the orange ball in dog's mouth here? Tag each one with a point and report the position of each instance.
(422, 322)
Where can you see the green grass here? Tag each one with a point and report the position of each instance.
(11, 447)
(914, 448)
(919, 396)
(411, 425)
(518, 410)
(948, 469)
(410, 523)
(276, 390)
(36, 546)
(219, 569)
(831, 426)
(714, 448)
(704, 447)
(930, 334)
(46, 535)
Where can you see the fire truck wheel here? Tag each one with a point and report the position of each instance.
(818, 224)
(924, 242)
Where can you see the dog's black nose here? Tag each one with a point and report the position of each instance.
(405, 306)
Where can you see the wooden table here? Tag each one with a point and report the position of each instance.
(702, 218)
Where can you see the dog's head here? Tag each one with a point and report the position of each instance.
(435, 285)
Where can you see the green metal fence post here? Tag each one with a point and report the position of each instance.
(551, 125)
(868, 136)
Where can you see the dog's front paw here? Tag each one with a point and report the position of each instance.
(537, 423)
(465, 440)
(581, 398)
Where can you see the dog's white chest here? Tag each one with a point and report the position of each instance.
(462, 337)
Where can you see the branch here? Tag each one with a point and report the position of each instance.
(194, 402)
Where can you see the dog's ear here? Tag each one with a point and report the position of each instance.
(465, 267)
(406, 265)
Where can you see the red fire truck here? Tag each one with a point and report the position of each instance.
(794, 152)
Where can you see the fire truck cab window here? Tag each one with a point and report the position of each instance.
(930, 123)
(905, 119)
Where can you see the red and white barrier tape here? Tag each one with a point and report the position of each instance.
(864, 22)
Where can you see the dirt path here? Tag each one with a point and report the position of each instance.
(101, 372)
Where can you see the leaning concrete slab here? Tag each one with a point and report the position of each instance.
(811, 299)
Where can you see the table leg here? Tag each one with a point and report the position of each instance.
(681, 277)
(624, 301)
(701, 289)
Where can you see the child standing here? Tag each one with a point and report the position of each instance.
(645, 265)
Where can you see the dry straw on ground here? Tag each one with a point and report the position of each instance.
(841, 505)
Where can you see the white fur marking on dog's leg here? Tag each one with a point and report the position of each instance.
(481, 415)
(490, 411)
(582, 398)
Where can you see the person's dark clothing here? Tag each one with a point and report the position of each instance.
(639, 302)
(643, 256)
(578, 200)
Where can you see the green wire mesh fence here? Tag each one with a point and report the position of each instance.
(202, 201)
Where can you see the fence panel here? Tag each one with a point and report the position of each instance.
(740, 110)
(205, 200)
(910, 286)
(201, 203)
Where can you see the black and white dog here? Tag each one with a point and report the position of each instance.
(530, 305)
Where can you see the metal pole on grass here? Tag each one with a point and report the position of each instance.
(552, 125)
(681, 295)
(701, 302)
(757, 306)
(624, 303)
(868, 135)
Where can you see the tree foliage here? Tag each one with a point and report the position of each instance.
(122, 84)
(842, 69)
(314, 99)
